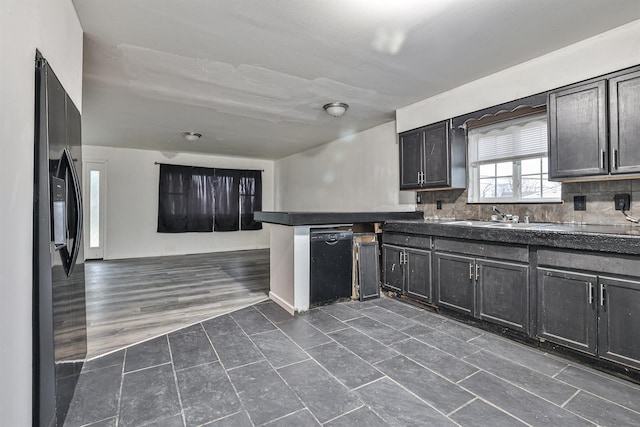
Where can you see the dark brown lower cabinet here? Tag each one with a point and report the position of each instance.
(393, 268)
(407, 271)
(454, 278)
(503, 293)
(566, 309)
(619, 327)
(418, 274)
(491, 290)
(595, 314)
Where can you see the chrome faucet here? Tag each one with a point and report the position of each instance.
(504, 215)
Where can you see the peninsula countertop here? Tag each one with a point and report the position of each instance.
(324, 218)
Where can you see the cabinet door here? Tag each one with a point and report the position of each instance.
(393, 267)
(578, 131)
(411, 159)
(436, 155)
(619, 329)
(624, 111)
(567, 309)
(418, 270)
(503, 293)
(455, 282)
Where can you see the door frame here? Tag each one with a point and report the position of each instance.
(86, 167)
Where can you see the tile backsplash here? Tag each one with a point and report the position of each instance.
(599, 197)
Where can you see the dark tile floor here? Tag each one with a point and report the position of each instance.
(377, 363)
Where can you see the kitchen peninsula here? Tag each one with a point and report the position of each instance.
(290, 248)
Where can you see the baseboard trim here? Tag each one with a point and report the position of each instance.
(282, 303)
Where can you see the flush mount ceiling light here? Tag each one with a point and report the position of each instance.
(335, 109)
(191, 136)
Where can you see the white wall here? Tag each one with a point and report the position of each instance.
(604, 53)
(53, 27)
(360, 172)
(355, 173)
(132, 204)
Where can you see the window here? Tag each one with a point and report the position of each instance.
(194, 199)
(508, 162)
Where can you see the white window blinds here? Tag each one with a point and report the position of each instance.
(514, 139)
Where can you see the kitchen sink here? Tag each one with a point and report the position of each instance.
(514, 225)
(557, 227)
(467, 222)
(517, 225)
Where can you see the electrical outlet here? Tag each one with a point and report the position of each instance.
(579, 203)
(438, 204)
(623, 202)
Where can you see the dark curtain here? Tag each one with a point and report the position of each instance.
(227, 208)
(250, 199)
(186, 199)
(193, 199)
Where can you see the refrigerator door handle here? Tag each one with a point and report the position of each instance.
(67, 159)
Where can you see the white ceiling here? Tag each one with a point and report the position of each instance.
(252, 75)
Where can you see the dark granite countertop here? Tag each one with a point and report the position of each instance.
(622, 239)
(326, 218)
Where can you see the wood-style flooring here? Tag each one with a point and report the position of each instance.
(132, 300)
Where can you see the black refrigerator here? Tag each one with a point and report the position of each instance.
(59, 310)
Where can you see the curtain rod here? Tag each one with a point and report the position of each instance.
(158, 163)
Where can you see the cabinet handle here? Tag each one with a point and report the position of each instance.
(602, 295)
(419, 178)
(406, 258)
(602, 159)
(590, 297)
(470, 271)
(615, 158)
(477, 272)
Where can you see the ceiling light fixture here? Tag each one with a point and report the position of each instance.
(335, 109)
(191, 136)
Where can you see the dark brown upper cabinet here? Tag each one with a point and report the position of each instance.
(432, 157)
(594, 129)
(624, 113)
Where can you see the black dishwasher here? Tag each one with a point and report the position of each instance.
(331, 265)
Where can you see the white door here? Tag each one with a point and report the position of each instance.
(95, 179)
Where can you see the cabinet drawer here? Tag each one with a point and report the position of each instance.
(407, 240)
(625, 265)
(503, 251)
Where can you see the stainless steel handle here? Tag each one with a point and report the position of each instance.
(615, 158)
(602, 159)
(477, 271)
(590, 297)
(419, 180)
(602, 294)
(69, 259)
(401, 258)
(470, 271)
(406, 258)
